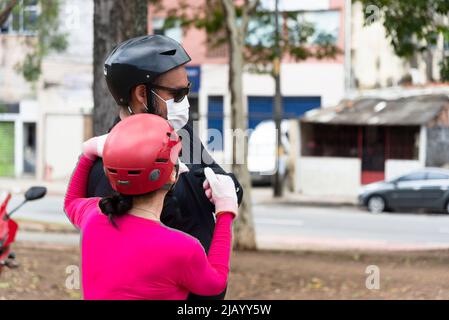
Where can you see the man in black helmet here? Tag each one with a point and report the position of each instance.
(147, 74)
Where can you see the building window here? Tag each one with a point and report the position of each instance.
(215, 118)
(324, 24)
(23, 19)
(329, 140)
(402, 143)
(373, 144)
(175, 32)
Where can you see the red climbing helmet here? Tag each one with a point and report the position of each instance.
(140, 153)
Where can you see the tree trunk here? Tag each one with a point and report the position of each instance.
(429, 64)
(245, 238)
(114, 22)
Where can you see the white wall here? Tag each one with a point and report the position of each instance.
(64, 104)
(325, 80)
(62, 145)
(13, 86)
(373, 59)
(395, 168)
(374, 62)
(327, 176)
(76, 20)
(298, 79)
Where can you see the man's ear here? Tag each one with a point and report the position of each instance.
(140, 94)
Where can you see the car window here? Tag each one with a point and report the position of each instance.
(413, 177)
(437, 176)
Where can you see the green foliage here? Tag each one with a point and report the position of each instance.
(44, 35)
(413, 26)
(30, 67)
(298, 40)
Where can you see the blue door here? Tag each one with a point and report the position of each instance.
(215, 118)
(261, 108)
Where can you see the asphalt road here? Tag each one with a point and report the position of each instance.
(296, 227)
(325, 228)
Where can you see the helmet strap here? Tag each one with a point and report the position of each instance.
(150, 100)
(149, 107)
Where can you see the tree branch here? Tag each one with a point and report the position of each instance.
(230, 16)
(4, 13)
(248, 9)
(251, 5)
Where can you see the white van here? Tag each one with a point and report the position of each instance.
(262, 152)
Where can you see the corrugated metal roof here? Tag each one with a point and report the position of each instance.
(415, 110)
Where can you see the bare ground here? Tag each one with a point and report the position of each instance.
(261, 275)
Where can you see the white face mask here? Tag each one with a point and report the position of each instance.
(177, 112)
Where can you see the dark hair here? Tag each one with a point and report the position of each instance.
(116, 205)
(151, 98)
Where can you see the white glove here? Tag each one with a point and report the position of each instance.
(222, 192)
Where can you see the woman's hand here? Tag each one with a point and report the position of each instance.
(93, 147)
(220, 189)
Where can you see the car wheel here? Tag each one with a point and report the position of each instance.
(376, 204)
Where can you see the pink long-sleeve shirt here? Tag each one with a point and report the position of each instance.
(143, 259)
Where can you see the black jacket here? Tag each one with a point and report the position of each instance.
(186, 208)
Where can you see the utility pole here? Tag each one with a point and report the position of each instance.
(348, 32)
(278, 187)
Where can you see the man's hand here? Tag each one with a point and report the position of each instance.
(220, 190)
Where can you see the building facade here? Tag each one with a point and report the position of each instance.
(304, 86)
(371, 139)
(42, 125)
(45, 124)
(373, 61)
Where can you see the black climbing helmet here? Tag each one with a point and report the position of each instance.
(139, 61)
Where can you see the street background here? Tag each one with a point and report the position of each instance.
(340, 95)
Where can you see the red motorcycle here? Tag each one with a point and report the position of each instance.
(8, 227)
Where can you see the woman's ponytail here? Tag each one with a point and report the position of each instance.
(116, 205)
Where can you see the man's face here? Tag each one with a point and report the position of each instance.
(176, 79)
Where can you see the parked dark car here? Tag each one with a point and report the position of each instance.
(423, 189)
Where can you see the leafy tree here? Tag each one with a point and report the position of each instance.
(299, 39)
(48, 37)
(413, 27)
(6, 8)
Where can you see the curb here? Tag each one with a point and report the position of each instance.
(299, 203)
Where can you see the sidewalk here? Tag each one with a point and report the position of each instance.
(260, 195)
(264, 196)
(21, 185)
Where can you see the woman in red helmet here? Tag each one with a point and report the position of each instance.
(127, 253)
